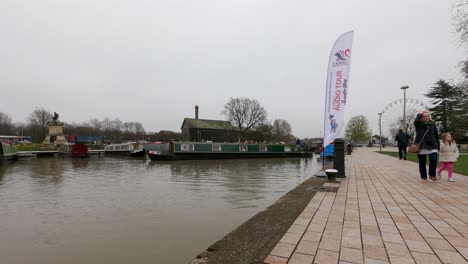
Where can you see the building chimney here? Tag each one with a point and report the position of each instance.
(196, 112)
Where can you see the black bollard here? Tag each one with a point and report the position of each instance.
(349, 149)
(339, 159)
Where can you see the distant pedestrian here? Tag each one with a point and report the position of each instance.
(448, 156)
(402, 141)
(427, 135)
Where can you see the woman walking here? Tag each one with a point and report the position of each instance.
(448, 156)
(427, 135)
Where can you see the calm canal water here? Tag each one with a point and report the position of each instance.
(122, 210)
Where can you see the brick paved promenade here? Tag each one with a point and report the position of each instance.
(381, 213)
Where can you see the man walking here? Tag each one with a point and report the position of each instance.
(402, 140)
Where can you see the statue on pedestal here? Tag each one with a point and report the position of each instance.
(55, 135)
(55, 117)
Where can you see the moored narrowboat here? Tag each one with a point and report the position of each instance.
(8, 151)
(74, 150)
(210, 150)
(133, 149)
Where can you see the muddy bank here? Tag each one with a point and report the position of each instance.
(253, 241)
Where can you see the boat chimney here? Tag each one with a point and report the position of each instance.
(196, 111)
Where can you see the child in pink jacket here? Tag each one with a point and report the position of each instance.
(448, 155)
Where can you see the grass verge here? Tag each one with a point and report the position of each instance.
(460, 167)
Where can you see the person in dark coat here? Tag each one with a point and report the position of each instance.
(430, 145)
(402, 140)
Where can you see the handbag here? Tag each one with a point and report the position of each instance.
(415, 147)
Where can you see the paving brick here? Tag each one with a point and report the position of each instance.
(326, 257)
(399, 250)
(374, 261)
(307, 247)
(440, 244)
(351, 255)
(389, 229)
(430, 233)
(423, 258)
(370, 230)
(283, 250)
(312, 236)
(291, 238)
(351, 242)
(351, 224)
(297, 229)
(463, 251)
(457, 241)
(401, 260)
(316, 227)
(302, 221)
(352, 232)
(408, 227)
(419, 246)
(330, 244)
(298, 258)
(411, 235)
(392, 238)
(450, 256)
(372, 240)
(375, 252)
(275, 260)
(448, 231)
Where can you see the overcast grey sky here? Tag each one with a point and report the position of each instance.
(153, 61)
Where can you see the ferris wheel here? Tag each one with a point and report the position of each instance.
(392, 115)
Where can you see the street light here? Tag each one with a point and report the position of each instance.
(404, 105)
(380, 131)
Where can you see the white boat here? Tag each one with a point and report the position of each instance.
(133, 149)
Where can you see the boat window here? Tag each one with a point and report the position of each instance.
(243, 148)
(186, 147)
(216, 147)
(287, 149)
(263, 148)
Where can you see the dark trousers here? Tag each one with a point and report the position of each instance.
(402, 151)
(432, 165)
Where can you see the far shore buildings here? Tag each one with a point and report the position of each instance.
(201, 130)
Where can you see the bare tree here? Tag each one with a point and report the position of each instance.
(6, 124)
(37, 122)
(106, 125)
(460, 20)
(20, 128)
(40, 117)
(281, 130)
(245, 114)
(95, 124)
(139, 130)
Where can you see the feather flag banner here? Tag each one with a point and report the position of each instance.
(337, 88)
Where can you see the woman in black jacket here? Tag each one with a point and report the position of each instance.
(429, 144)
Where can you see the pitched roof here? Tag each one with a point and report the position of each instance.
(206, 124)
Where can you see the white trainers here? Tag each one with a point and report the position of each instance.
(439, 175)
(451, 179)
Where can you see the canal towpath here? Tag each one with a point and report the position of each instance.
(381, 213)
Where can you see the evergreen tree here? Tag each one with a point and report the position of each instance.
(449, 107)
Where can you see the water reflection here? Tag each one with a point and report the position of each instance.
(80, 163)
(97, 210)
(241, 182)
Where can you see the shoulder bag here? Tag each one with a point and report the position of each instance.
(415, 147)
